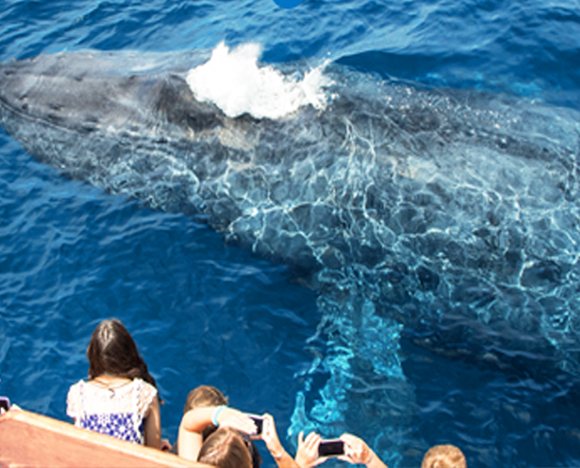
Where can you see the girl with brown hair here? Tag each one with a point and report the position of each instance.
(120, 398)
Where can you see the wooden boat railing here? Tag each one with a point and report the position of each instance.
(31, 440)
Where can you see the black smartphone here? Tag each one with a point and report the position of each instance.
(258, 421)
(4, 403)
(331, 448)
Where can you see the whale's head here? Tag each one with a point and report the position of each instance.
(43, 89)
(82, 95)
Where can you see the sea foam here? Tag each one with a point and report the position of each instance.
(233, 80)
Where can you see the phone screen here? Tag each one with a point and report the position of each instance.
(258, 421)
(331, 448)
(4, 403)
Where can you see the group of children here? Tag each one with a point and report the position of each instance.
(121, 399)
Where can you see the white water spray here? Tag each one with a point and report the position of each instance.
(233, 81)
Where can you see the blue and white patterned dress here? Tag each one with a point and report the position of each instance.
(116, 411)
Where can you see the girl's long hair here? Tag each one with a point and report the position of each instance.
(113, 351)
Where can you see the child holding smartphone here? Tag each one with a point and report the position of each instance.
(207, 413)
(313, 451)
(189, 443)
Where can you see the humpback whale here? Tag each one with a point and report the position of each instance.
(446, 216)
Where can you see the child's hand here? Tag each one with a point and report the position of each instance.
(307, 453)
(355, 450)
(234, 419)
(358, 452)
(165, 445)
(270, 437)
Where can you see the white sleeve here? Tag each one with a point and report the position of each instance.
(146, 395)
(73, 401)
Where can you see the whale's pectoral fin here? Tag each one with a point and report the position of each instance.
(365, 391)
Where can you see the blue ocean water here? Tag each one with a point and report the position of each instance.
(204, 312)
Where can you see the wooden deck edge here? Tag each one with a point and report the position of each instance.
(31, 440)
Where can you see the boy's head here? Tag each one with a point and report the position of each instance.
(444, 456)
(204, 396)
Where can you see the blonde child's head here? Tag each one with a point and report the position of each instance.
(444, 456)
